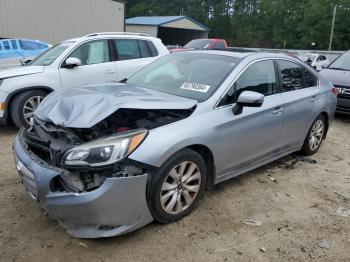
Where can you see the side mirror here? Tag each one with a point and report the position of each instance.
(248, 99)
(72, 62)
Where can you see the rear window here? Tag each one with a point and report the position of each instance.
(198, 44)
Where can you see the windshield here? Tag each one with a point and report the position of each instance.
(192, 75)
(198, 44)
(51, 54)
(342, 63)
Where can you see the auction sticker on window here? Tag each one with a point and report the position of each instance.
(195, 87)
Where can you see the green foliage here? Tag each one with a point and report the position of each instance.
(299, 24)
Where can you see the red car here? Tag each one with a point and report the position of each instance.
(203, 44)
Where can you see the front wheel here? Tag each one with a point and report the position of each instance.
(175, 188)
(315, 136)
(24, 105)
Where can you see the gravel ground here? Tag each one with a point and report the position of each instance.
(296, 207)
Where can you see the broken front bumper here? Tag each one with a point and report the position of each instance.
(118, 206)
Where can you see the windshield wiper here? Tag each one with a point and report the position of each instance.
(338, 68)
(123, 81)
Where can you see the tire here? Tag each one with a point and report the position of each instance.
(316, 134)
(30, 99)
(193, 166)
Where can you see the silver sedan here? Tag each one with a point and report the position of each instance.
(105, 160)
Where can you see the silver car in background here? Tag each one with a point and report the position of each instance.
(108, 159)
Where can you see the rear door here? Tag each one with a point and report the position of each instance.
(302, 96)
(132, 55)
(97, 66)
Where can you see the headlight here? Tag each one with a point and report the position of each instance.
(103, 151)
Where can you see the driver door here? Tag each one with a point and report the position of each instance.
(96, 65)
(246, 138)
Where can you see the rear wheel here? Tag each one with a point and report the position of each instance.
(315, 136)
(24, 105)
(175, 188)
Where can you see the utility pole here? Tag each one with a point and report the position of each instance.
(332, 30)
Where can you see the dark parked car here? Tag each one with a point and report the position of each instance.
(339, 74)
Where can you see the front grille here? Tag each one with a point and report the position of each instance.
(38, 146)
(28, 179)
(344, 92)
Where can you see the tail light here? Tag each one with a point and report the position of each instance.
(335, 91)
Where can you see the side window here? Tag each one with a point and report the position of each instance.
(6, 45)
(153, 49)
(144, 49)
(127, 49)
(310, 79)
(259, 77)
(94, 52)
(0, 46)
(291, 76)
(14, 44)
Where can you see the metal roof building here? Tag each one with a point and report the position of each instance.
(171, 29)
(56, 20)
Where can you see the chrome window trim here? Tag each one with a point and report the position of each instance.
(256, 61)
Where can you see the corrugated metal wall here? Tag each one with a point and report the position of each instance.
(56, 20)
(184, 24)
(144, 29)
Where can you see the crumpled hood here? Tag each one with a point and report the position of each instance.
(85, 107)
(20, 71)
(336, 77)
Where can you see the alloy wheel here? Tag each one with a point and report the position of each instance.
(180, 188)
(30, 106)
(316, 135)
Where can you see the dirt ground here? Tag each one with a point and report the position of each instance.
(297, 212)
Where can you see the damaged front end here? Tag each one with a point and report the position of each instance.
(93, 154)
(83, 176)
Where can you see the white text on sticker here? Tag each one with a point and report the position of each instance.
(195, 87)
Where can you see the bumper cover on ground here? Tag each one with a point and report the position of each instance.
(118, 206)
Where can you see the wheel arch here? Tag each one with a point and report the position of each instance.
(326, 116)
(12, 95)
(208, 157)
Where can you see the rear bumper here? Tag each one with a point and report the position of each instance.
(118, 206)
(343, 106)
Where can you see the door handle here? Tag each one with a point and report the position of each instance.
(109, 71)
(278, 110)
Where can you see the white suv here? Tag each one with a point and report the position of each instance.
(92, 59)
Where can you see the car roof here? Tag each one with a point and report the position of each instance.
(110, 35)
(222, 52)
(242, 55)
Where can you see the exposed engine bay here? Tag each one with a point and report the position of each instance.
(50, 143)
